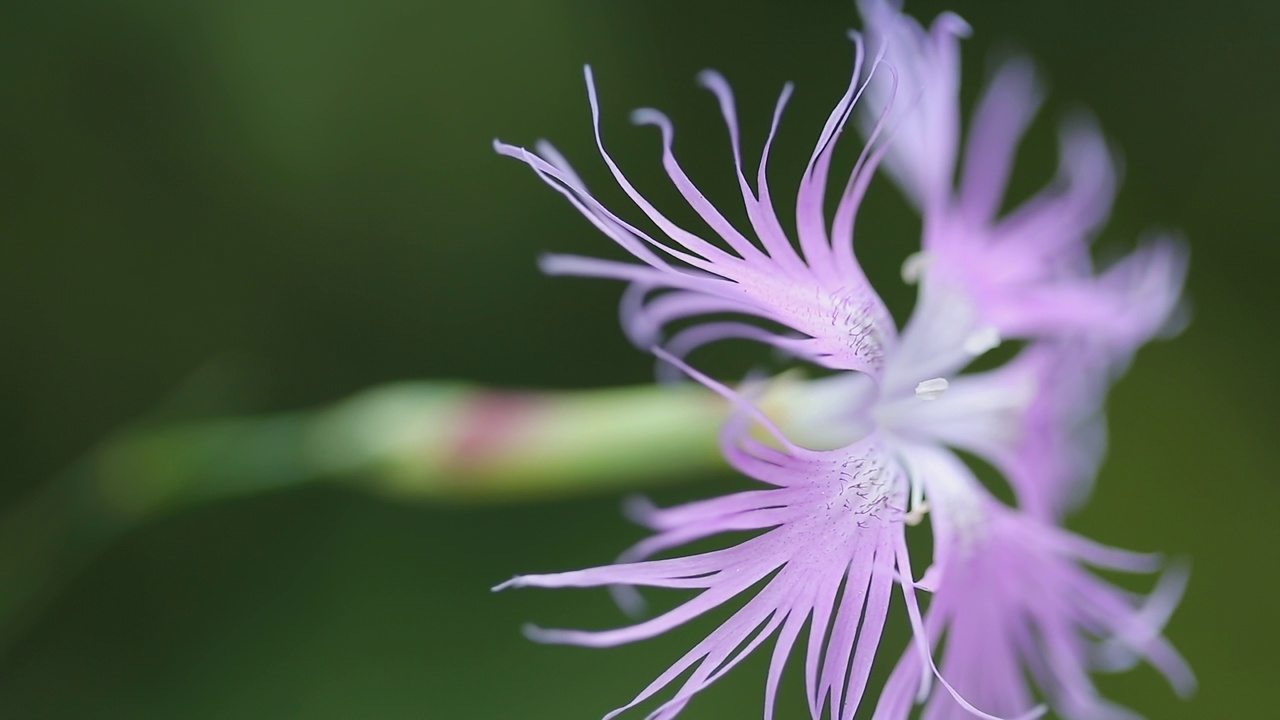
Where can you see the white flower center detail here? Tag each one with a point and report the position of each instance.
(845, 324)
(931, 389)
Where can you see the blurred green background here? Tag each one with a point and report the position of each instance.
(302, 196)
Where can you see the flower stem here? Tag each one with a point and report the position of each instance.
(427, 441)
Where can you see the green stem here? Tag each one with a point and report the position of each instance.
(417, 441)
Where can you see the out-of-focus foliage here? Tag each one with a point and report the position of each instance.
(307, 188)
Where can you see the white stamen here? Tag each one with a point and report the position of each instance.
(931, 389)
(918, 506)
(914, 266)
(980, 341)
(916, 515)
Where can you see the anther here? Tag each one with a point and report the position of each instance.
(931, 389)
(915, 516)
(980, 341)
(914, 266)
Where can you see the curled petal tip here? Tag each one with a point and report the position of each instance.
(551, 263)
(539, 634)
(515, 581)
(1080, 132)
(1023, 68)
(954, 24)
(638, 509)
(509, 150)
(629, 601)
(648, 116)
(708, 77)
(868, 6)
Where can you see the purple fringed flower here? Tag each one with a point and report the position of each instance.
(1016, 606)
(830, 518)
(1025, 273)
(829, 527)
(823, 295)
(832, 545)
